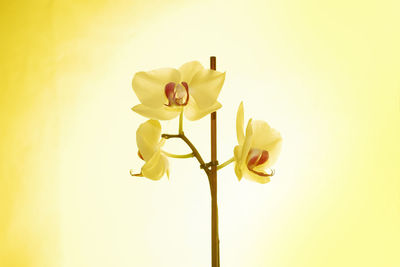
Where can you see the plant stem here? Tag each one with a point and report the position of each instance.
(196, 153)
(181, 122)
(226, 163)
(185, 156)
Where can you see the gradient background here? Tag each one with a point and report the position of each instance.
(326, 74)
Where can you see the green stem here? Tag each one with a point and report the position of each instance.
(226, 163)
(181, 122)
(185, 156)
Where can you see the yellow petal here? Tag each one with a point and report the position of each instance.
(162, 113)
(193, 112)
(156, 167)
(188, 70)
(149, 86)
(247, 142)
(238, 172)
(237, 152)
(148, 138)
(263, 134)
(205, 87)
(266, 138)
(239, 124)
(274, 150)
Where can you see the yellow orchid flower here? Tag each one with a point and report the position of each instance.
(149, 142)
(258, 149)
(164, 93)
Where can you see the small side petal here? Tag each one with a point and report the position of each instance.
(205, 87)
(238, 172)
(193, 112)
(163, 113)
(149, 86)
(239, 124)
(148, 137)
(188, 70)
(237, 152)
(156, 167)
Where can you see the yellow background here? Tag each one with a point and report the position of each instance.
(326, 74)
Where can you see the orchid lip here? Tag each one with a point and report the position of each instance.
(136, 174)
(177, 94)
(257, 157)
(264, 174)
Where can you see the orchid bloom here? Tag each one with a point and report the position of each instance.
(165, 93)
(148, 137)
(258, 149)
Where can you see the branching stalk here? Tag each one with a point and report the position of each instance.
(171, 155)
(195, 152)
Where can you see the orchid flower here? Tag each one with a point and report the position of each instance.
(192, 91)
(165, 93)
(149, 142)
(258, 149)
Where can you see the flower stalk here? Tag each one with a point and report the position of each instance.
(181, 122)
(171, 155)
(226, 163)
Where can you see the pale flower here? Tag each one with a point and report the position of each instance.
(258, 149)
(149, 142)
(163, 93)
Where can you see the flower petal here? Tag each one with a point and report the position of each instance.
(239, 124)
(246, 145)
(266, 138)
(264, 135)
(163, 113)
(193, 112)
(188, 70)
(205, 87)
(237, 152)
(156, 167)
(148, 138)
(241, 152)
(149, 86)
(274, 151)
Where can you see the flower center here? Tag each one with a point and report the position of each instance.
(257, 157)
(177, 93)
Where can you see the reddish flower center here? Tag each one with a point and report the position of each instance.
(177, 93)
(257, 157)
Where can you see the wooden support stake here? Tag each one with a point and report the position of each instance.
(213, 184)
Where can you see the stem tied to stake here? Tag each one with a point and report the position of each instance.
(213, 184)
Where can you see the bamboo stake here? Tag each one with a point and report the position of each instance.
(213, 184)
